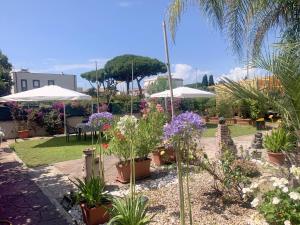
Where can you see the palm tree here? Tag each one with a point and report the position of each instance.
(285, 66)
(246, 22)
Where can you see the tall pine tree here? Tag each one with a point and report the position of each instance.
(211, 80)
(205, 81)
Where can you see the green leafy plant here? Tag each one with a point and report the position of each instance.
(278, 206)
(92, 192)
(129, 210)
(279, 140)
(119, 145)
(149, 131)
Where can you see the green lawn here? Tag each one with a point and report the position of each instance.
(236, 130)
(51, 150)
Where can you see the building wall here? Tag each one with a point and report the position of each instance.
(177, 82)
(43, 79)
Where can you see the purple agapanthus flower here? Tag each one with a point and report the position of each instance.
(99, 119)
(187, 121)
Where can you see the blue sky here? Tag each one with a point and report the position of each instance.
(69, 35)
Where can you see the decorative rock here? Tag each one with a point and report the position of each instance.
(224, 139)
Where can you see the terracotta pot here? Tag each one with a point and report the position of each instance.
(214, 120)
(142, 170)
(23, 134)
(230, 121)
(161, 159)
(276, 158)
(96, 215)
(241, 121)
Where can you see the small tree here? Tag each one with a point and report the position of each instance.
(205, 81)
(211, 81)
(161, 84)
(5, 78)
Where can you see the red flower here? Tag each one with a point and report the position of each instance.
(105, 145)
(106, 127)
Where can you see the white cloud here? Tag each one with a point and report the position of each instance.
(90, 64)
(125, 4)
(188, 73)
(239, 73)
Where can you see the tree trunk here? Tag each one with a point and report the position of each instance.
(140, 88)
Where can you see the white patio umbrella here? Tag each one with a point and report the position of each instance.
(47, 93)
(184, 92)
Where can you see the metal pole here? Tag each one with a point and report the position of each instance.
(178, 157)
(97, 82)
(131, 99)
(65, 120)
(168, 67)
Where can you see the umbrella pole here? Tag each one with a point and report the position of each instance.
(65, 120)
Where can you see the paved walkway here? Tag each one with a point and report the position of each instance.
(21, 200)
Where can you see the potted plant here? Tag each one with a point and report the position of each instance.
(94, 201)
(278, 142)
(125, 145)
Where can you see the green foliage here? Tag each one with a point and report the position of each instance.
(129, 211)
(286, 209)
(205, 81)
(52, 121)
(245, 22)
(161, 84)
(119, 145)
(224, 108)
(120, 68)
(279, 140)
(149, 132)
(5, 78)
(91, 192)
(285, 67)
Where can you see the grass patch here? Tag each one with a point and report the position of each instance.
(45, 151)
(236, 130)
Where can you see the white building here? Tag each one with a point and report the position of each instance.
(25, 80)
(177, 82)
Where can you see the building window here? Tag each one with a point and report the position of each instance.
(36, 83)
(24, 85)
(51, 82)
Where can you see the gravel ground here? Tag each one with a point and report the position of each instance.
(207, 209)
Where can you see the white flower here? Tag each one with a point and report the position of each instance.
(255, 202)
(275, 201)
(254, 185)
(295, 171)
(294, 195)
(246, 190)
(285, 189)
(287, 222)
(2, 134)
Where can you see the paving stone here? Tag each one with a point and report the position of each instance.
(21, 200)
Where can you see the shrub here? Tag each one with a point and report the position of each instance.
(53, 121)
(246, 167)
(229, 177)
